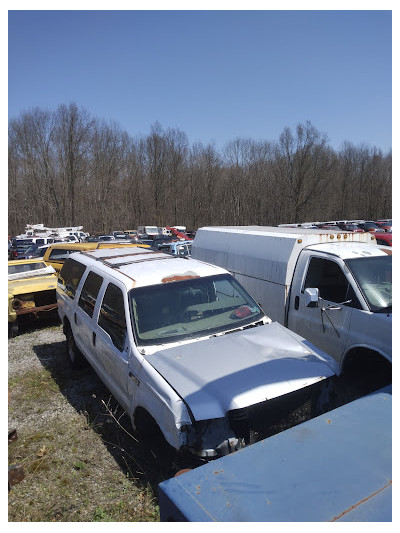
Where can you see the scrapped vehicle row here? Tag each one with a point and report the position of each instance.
(184, 346)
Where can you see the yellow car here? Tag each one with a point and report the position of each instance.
(31, 291)
(56, 254)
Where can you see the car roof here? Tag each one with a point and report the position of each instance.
(26, 261)
(74, 245)
(350, 250)
(137, 267)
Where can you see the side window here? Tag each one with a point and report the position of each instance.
(90, 290)
(70, 276)
(329, 278)
(59, 253)
(112, 316)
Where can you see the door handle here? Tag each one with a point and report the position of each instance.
(134, 378)
(94, 338)
(296, 303)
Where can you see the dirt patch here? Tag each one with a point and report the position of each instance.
(75, 444)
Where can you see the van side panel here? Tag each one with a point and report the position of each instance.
(271, 296)
(254, 253)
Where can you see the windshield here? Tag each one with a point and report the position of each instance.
(374, 278)
(22, 242)
(26, 267)
(369, 225)
(181, 310)
(32, 249)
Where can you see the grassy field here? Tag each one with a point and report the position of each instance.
(75, 444)
(82, 463)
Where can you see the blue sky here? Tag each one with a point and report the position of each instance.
(216, 75)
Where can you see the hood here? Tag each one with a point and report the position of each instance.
(34, 284)
(240, 369)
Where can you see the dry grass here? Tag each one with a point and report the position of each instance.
(79, 463)
(74, 442)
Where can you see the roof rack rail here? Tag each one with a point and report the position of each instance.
(106, 260)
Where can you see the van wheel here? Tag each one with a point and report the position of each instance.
(76, 358)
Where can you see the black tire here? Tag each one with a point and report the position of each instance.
(76, 358)
(12, 330)
(146, 427)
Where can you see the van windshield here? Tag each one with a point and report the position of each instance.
(374, 279)
(181, 310)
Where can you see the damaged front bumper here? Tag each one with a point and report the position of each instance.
(241, 427)
(212, 438)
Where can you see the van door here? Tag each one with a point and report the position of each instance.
(83, 315)
(112, 341)
(325, 325)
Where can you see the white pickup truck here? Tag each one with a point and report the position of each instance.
(333, 288)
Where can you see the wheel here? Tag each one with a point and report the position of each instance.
(12, 330)
(76, 357)
(146, 427)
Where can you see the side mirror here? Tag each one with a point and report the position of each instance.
(311, 297)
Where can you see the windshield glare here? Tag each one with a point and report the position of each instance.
(374, 278)
(176, 311)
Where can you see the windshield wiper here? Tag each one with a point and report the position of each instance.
(240, 328)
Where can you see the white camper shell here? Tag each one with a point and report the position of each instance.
(272, 263)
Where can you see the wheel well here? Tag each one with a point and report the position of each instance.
(364, 363)
(144, 422)
(66, 325)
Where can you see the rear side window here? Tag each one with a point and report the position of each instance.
(112, 315)
(89, 292)
(70, 276)
(60, 253)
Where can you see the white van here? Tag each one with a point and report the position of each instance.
(184, 348)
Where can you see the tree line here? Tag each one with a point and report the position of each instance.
(67, 167)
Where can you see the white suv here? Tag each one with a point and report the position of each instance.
(182, 346)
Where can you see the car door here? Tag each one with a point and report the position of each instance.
(83, 316)
(112, 340)
(326, 325)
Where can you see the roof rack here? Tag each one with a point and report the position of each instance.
(106, 260)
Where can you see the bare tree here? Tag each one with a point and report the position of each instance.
(73, 131)
(305, 165)
(176, 184)
(108, 152)
(203, 201)
(65, 167)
